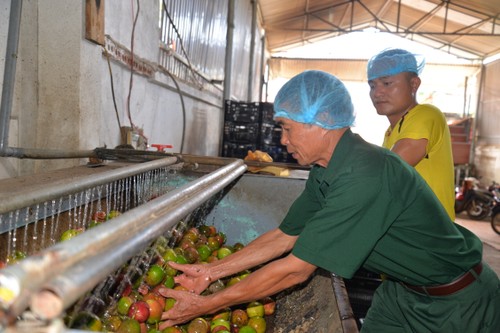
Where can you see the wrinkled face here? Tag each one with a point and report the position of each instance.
(303, 141)
(393, 95)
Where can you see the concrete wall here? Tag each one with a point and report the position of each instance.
(63, 96)
(22, 125)
(59, 79)
(487, 150)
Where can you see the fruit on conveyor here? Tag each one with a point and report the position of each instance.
(140, 306)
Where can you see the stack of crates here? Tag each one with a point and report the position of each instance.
(270, 136)
(250, 126)
(241, 129)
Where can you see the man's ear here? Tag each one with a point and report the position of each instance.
(415, 83)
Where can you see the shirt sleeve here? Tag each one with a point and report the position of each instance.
(426, 122)
(302, 209)
(353, 216)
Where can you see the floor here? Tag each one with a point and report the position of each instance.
(491, 240)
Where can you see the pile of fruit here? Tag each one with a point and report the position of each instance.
(140, 305)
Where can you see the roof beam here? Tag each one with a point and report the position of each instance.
(441, 24)
(347, 30)
(305, 13)
(424, 19)
(375, 18)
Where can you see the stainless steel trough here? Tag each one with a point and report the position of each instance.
(163, 197)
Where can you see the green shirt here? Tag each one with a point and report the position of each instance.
(369, 208)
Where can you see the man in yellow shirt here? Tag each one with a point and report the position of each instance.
(418, 133)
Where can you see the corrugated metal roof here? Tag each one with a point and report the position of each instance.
(467, 29)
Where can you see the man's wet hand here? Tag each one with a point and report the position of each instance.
(188, 305)
(195, 278)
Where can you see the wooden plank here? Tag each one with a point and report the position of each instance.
(94, 21)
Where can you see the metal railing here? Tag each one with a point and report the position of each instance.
(97, 252)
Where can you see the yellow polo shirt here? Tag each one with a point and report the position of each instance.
(426, 121)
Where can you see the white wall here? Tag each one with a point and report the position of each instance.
(155, 104)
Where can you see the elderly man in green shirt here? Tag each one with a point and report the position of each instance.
(362, 207)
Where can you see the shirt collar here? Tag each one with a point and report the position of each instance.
(339, 154)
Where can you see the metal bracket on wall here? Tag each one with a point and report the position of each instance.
(123, 55)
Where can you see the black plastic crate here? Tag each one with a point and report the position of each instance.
(266, 133)
(241, 132)
(267, 112)
(276, 135)
(242, 112)
(270, 134)
(238, 150)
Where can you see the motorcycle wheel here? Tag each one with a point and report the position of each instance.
(478, 210)
(495, 222)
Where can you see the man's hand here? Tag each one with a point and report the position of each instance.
(195, 278)
(186, 307)
(270, 279)
(267, 280)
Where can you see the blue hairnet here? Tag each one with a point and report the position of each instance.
(315, 97)
(394, 61)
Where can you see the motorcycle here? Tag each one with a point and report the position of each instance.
(495, 213)
(477, 203)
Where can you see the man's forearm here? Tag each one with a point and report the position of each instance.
(266, 281)
(269, 246)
